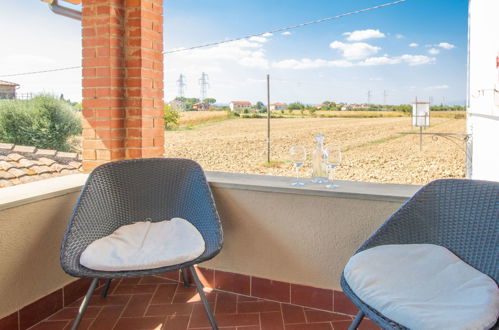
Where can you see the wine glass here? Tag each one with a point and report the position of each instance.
(298, 157)
(333, 160)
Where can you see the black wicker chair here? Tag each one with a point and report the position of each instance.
(123, 192)
(461, 215)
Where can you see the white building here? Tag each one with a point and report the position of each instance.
(239, 105)
(278, 106)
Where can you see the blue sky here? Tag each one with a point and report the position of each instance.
(339, 60)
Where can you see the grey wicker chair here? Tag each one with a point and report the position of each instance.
(123, 192)
(461, 215)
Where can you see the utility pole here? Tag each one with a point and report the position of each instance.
(268, 118)
(181, 85)
(369, 97)
(385, 94)
(203, 82)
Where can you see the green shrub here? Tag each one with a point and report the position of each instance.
(170, 116)
(45, 122)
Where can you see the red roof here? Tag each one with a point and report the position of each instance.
(7, 83)
(241, 102)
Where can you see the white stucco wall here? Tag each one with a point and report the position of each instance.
(483, 112)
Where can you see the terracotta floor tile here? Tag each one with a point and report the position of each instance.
(226, 303)
(238, 319)
(50, 325)
(268, 289)
(241, 298)
(164, 294)
(293, 314)
(271, 321)
(137, 306)
(118, 300)
(312, 297)
(84, 324)
(258, 306)
(342, 304)
(107, 318)
(128, 280)
(75, 290)
(169, 309)
(367, 324)
(309, 326)
(134, 288)
(40, 310)
(69, 313)
(206, 276)
(177, 322)
(140, 323)
(314, 316)
(251, 327)
(154, 280)
(232, 282)
(172, 275)
(10, 322)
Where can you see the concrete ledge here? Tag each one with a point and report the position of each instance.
(39, 190)
(347, 189)
(53, 187)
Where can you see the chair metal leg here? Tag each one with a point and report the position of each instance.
(183, 271)
(356, 321)
(84, 303)
(106, 288)
(203, 298)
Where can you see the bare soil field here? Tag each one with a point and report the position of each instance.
(374, 149)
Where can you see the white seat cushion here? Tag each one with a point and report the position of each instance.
(145, 245)
(423, 286)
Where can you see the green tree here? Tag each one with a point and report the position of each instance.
(210, 100)
(296, 106)
(170, 116)
(259, 105)
(46, 122)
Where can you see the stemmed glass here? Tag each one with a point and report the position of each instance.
(333, 160)
(298, 157)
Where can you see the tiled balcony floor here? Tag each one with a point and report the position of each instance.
(158, 303)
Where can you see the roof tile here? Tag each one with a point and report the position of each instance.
(15, 157)
(46, 152)
(24, 149)
(72, 155)
(6, 175)
(46, 161)
(17, 172)
(6, 146)
(5, 165)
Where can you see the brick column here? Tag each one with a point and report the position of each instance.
(122, 80)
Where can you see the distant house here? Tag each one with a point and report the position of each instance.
(8, 90)
(177, 105)
(278, 106)
(319, 106)
(201, 106)
(239, 105)
(355, 107)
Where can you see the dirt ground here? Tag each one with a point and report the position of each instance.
(374, 150)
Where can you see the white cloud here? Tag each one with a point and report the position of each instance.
(408, 59)
(381, 60)
(286, 33)
(446, 45)
(399, 36)
(306, 63)
(413, 44)
(438, 87)
(258, 39)
(417, 59)
(356, 50)
(268, 34)
(434, 51)
(363, 35)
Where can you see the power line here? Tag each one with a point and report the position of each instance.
(43, 71)
(291, 27)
